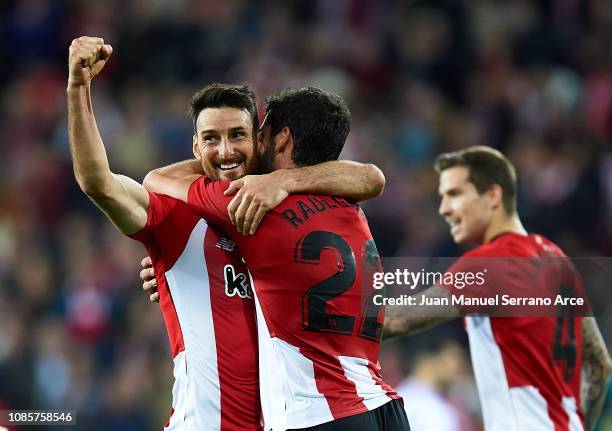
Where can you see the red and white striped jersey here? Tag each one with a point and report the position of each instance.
(319, 338)
(207, 305)
(528, 369)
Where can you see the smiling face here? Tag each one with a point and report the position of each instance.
(224, 143)
(468, 212)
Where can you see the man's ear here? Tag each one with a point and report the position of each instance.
(496, 194)
(283, 142)
(196, 148)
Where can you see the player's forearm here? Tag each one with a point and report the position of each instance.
(418, 316)
(173, 180)
(357, 181)
(397, 323)
(403, 320)
(597, 365)
(89, 160)
(593, 396)
(123, 200)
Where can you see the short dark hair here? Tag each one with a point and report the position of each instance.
(486, 167)
(319, 122)
(224, 96)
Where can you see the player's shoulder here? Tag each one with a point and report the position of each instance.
(163, 198)
(315, 203)
(532, 245)
(164, 209)
(513, 244)
(170, 222)
(307, 209)
(169, 203)
(207, 196)
(547, 245)
(300, 213)
(205, 182)
(490, 249)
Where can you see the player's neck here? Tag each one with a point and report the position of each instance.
(504, 224)
(283, 162)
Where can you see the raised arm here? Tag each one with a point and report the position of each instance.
(410, 319)
(597, 366)
(258, 194)
(174, 180)
(123, 200)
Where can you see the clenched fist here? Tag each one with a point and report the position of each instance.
(86, 58)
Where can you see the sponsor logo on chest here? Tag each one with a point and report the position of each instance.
(226, 244)
(236, 283)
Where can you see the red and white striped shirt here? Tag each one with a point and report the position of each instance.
(527, 368)
(207, 305)
(319, 335)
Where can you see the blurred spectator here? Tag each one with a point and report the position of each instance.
(435, 368)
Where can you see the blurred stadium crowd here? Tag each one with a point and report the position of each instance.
(531, 78)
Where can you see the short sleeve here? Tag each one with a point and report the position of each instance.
(159, 208)
(206, 198)
(169, 225)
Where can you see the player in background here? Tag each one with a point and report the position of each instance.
(528, 369)
(434, 366)
(318, 339)
(204, 292)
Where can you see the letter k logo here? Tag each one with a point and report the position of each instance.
(235, 283)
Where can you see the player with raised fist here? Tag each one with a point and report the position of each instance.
(87, 57)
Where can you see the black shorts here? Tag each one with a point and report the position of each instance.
(388, 417)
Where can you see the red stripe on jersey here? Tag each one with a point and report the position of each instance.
(341, 393)
(173, 326)
(170, 417)
(375, 372)
(236, 335)
(527, 361)
(169, 225)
